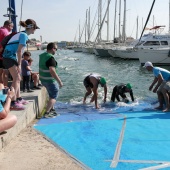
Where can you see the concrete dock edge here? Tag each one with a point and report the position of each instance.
(37, 101)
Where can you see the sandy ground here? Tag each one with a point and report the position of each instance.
(31, 151)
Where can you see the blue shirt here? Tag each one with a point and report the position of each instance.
(11, 49)
(161, 71)
(24, 65)
(1, 107)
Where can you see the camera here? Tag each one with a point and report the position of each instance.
(5, 91)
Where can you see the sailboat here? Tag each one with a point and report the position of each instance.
(101, 48)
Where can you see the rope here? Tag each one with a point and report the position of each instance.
(21, 14)
(147, 20)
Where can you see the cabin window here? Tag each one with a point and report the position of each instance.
(151, 43)
(164, 42)
(141, 42)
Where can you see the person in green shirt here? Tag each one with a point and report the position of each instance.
(49, 77)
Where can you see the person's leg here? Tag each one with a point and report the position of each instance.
(35, 79)
(27, 82)
(52, 89)
(88, 92)
(23, 82)
(160, 100)
(165, 91)
(16, 80)
(50, 104)
(5, 77)
(166, 97)
(7, 123)
(160, 96)
(114, 94)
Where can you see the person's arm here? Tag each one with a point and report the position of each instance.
(153, 83)
(55, 76)
(131, 95)
(114, 94)
(6, 110)
(159, 80)
(105, 92)
(28, 68)
(19, 55)
(94, 81)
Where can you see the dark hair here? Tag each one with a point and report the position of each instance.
(30, 60)
(7, 22)
(26, 53)
(50, 46)
(29, 23)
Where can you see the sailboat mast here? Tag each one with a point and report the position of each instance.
(86, 25)
(137, 27)
(89, 26)
(11, 14)
(103, 21)
(108, 22)
(99, 18)
(79, 32)
(119, 20)
(124, 23)
(169, 16)
(114, 34)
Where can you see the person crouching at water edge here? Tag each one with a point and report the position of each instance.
(121, 89)
(162, 78)
(91, 83)
(49, 78)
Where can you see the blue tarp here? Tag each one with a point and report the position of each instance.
(95, 138)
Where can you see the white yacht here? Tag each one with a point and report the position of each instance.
(158, 56)
(148, 41)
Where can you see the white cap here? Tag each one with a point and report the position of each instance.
(148, 63)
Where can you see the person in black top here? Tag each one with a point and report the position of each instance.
(121, 89)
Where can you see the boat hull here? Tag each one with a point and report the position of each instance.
(156, 56)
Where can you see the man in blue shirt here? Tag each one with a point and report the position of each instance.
(162, 76)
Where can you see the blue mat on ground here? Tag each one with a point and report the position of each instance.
(103, 140)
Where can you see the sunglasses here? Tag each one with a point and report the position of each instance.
(54, 48)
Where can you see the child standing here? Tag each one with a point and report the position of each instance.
(26, 71)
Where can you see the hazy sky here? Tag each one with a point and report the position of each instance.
(58, 19)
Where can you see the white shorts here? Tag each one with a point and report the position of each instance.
(167, 86)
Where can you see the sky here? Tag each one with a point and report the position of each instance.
(59, 19)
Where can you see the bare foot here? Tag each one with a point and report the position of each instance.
(166, 110)
(159, 108)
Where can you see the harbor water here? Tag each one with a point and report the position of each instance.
(73, 67)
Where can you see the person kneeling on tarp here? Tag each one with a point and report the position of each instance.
(121, 89)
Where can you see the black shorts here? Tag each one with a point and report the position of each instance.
(8, 63)
(1, 64)
(87, 82)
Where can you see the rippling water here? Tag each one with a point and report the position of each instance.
(73, 67)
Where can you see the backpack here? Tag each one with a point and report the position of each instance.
(6, 39)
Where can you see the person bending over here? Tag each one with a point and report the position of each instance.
(91, 83)
(120, 90)
(160, 85)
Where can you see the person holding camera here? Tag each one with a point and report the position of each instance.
(121, 89)
(7, 120)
